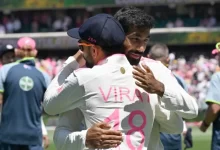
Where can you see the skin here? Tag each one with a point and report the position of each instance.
(8, 57)
(137, 39)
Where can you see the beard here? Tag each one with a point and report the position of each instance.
(132, 60)
(89, 65)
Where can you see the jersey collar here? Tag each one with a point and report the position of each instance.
(27, 60)
(119, 59)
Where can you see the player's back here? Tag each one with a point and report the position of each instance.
(113, 97)
(24, 86)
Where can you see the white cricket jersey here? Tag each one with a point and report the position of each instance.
(108, 93)
(68, 134)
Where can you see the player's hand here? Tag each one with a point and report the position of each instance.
(46, 141)
(100, 136)
(146, 80)
(203, 127)
(79, 58)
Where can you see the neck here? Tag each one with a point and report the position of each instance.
(100, 57)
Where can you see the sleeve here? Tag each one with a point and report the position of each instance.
(213, 95)
(2, 80)
(44, 130)
(63, 93)
(68, 134)
(184, 127)
(181, 82)
(175, 98)
(169, 121)
(47, 79)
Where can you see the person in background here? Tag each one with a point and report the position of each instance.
(160, 52)
(7, 54)
(212, 114)
(27, 84)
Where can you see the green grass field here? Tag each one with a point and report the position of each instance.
(201, 140)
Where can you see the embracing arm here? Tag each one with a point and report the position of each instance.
(64, 91)
(161, 81)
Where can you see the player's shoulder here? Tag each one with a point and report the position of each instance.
(155, 66)
(151, 63)
(148, 60)
(85, 75)
(7, 67)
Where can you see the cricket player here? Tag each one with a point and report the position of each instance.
(22, 88)
(212, 113)
(68, 132)
(7, 55)
(164, 119)
(160, 52)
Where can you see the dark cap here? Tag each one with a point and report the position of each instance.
(5, 48)
(102, 29)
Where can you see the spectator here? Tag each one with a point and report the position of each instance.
(179, 23)
(2, 28)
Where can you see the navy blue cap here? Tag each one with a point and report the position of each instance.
(102, 29)
(5, 48)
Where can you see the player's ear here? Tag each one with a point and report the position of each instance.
(127, 44)
(168, 61)
(34, 53)
(95, 51)
(19, 53)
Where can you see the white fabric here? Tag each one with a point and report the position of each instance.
(44, 130)
(80, 89)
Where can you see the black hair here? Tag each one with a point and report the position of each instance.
(113, 50)
(133, 17)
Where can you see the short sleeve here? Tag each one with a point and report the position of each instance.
(47, 79)
(2, 80)
(213, 95)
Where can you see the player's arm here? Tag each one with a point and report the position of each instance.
(46, 141)
(63, 95)
(1, 98)
(44, 130)
(1, 84)
(213, 101)
(172, 95)
(184, 127)
(68, 133)
(64, 91)
(176, 98)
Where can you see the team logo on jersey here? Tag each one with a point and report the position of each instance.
(122, 69)
(26, 83)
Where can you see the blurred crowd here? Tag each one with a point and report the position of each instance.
(196, 72)
(62, 20)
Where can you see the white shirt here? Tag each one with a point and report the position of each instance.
(63, 137)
